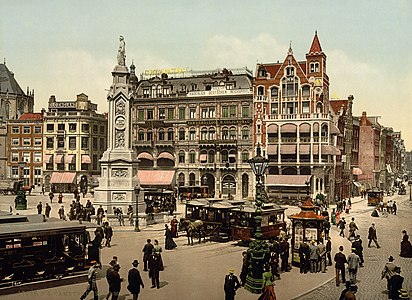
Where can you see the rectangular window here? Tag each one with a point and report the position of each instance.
(15, 142)
(72, 142)
(161, 113)
(26, 142)
(85, 167)
(182, 113)
(274, 108)
(50, 143)
(181, 158)
(95, 161)
(166, 92)
(26, 129)
(26, 157)
(37, 129)
(95, 129)
(72, 127)
(37, 157)
(225, 111)
(50, 127)
(95, 144)
(37, 141)
(15, 156)
(204, 113)
(15, 171)
(85, 127)
(85, 142)
(232, 111)
(305, 107)
(171, 113)
(15, 129)
(192, 157)
(102, 130)
(140, 115)
(37, 171)
(181, 135)
(60, 141)
(150, 114)
(212, 112)
(102, 145)
(60, 126)
(192, 113)
(146, 93)
(245, 111)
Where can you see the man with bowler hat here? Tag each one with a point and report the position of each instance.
(134, 280)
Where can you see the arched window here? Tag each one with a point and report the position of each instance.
(170, 134)
(181, 134)
(319, 108)
(211, 156)
(182, 157)
(192, 157)
(149, 135)
(203, 134)
(224, 156)
(140, 135)
(324, 130)
(192, 134)
(225, 133)
(192, 179)
(161, 136)
(159, 91)
(261, 91)
(274, 92)
(212, 133)
(232, 133)
(305, 91)
(245, 133)
(181, 179)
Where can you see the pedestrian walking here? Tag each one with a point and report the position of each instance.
(284, 255)
(173, 226)
(313, 256)
(115, 282)
(388, 271)
(147, 252)
(396, 282)
(39, 208)
(91, 281)
(120, 216)
(372, 236)
(231, 285)
(60, 198)
(42, 189)
(341, 225)
(326, 228)
(322, 256)
(268, 291)
(51, 196)
(169, 243)
(329, 251)
(357, 245)
(108, 233)
(109, 271)
(134, 280)
(47, 210)
(353, 265)
(352, 228)
(155, 266)
(340, 261)
(245, 268)
(394, 207)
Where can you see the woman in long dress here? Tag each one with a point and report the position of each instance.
(169, 243)
(267, 288)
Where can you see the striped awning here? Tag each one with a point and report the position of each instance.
(145, 155)
(166, 155)
(272, 128)
(156, 177)
(59, 159)
(287, 149)
(48, 158)
(304, 149)
(304, 128)
(288, 128)
(272, 149)
(287, 180)
(86, 159)
(69, 159)
(327, 150)
(62, 177)
(357, 171)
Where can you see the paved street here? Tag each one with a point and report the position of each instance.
(197, 272)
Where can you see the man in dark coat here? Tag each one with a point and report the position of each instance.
(357, 244)
(372, 236)
(39, 208)
(108, 233)
(147, 252)
(231, 285)
(47, 210)
(340, 261)
(154, 269)
(284, 255)
(329, 251)
(303, 257)
(396, 282)
(115, 282)
(135, 280)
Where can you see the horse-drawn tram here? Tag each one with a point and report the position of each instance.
(33, 248)
(234, 220)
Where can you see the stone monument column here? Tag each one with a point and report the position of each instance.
(119, 162)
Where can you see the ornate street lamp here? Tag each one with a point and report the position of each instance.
(20, 201)
(258, 252)
(137, 192)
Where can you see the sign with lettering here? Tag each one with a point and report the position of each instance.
(219, 91)
(70, 104)
(166, 71)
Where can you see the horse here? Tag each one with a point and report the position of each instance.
(192, 228)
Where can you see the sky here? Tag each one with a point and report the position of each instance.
(65, 48)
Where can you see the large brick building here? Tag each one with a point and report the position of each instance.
(293, 124)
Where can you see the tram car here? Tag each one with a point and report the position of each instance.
(34, 248)
(234, 219)
(374, 197)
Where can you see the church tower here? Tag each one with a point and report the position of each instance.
(119, 162)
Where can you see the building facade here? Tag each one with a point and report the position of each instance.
(199, 124)
(293, 125)
(25, 149)
(74, 139)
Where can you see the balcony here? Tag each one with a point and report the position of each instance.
(207, 166)
(228, 166)
(302, 116)
(261, 98)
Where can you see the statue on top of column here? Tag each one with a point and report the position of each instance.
(121, 53)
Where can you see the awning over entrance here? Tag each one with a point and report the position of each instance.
(287, 180)
(59, 159)
(62, 177)
(86, 159)
(356, 171)
(156, 177)
(48, 158)
(145, 155)
(166, 155)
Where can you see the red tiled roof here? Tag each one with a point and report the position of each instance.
(336, 105)
(31, 116)
(315, 48)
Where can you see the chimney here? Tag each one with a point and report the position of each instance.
(363, 119)
(52, 99)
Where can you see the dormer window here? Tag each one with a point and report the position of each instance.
(290, 71)
(262, 73)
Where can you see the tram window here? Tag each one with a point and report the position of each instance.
(272, 220)
(265, 220)
(37, 241)
(189, 212)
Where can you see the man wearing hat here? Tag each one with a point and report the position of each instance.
(357, 244)
(396, 282)
(134, 280)
(115, 282)
(389, 271)
(340, 261)
(91, 280)
(353, 265)
(231, 285)
(109, 272)
(372, 236)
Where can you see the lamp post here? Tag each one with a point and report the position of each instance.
(137, 192)
(258, 249)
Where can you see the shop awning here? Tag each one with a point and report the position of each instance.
(287, 180)
(357, 184)
(62, 177)
(304, 128)
(145, 155)
(356, 171)
(203, 157)
(69, 159)
(288, 128)
(272, 149)
(304, 149)
(48, 158)
(287, 149)
(166, 155)
(59, 159)
(156, 177)
(327, 150)
(86, 159)
(272, 128)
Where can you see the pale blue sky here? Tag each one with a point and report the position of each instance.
(65, 48)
